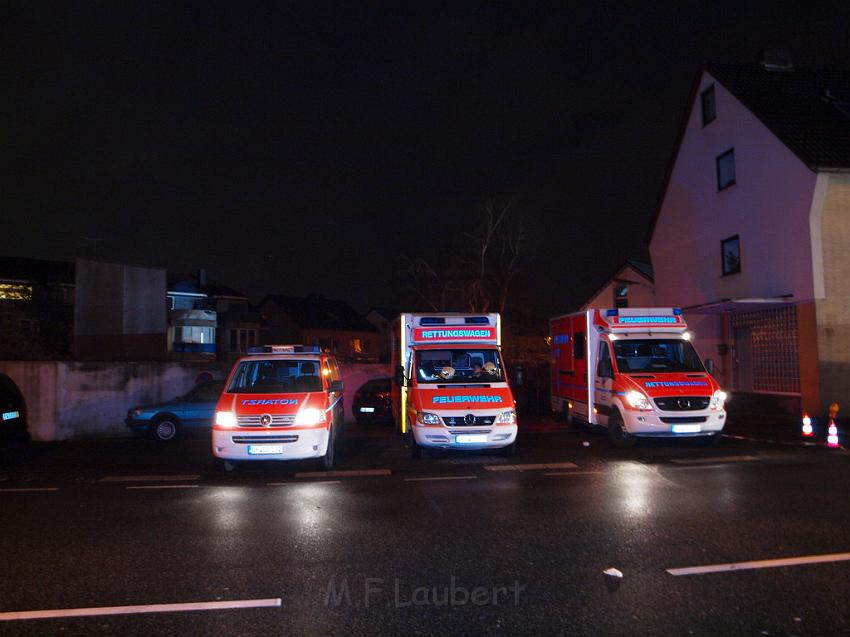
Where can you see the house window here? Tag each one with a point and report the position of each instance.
(356, 346)
(726, 169)
(709, 107)
(730, 255)
(15, 292)
(621, 295)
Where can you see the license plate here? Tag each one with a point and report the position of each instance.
(471, 438)
(262, 450)
(367, 410)
(686, 429)
(10, 415)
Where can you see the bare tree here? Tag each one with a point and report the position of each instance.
(477, 280)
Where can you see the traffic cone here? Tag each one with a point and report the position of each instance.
(807, 425)
(832, 431)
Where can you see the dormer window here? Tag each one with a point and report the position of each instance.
(709, 107)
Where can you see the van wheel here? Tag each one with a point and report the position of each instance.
(617, 434)
(164, 429)
(328, 459)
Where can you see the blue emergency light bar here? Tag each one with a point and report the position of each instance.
(441, 320)
(677, 311)
(285, 349)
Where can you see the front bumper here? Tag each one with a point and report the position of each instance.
(136, 424)
(296, 444)
(665, 423)
(442, 437)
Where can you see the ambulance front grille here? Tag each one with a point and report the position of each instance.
(460, 421)
(469, 431)
(277, 420)
(682, 403)
(247, 440)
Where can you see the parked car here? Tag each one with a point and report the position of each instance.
(165, 420)
(372, 402)
(13, 413)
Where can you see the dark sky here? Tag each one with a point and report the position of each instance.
(301, 148)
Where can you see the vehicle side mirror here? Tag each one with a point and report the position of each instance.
(399, 376)
(709, 366)
(336, 387)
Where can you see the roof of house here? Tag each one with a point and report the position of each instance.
(37, 270)
(807, 109)
(643, 269)
(188, 283)
(385, 313)
(317, 312)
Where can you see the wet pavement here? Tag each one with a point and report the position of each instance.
(451, 544)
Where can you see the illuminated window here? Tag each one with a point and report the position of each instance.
(15, 292)
(356, 346)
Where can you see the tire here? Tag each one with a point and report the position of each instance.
(617, 434)
(328, 458)
(165, 429)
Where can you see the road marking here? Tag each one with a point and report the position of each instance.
(436, 478)
(29, 489)
(149, 478)
(133, 610)
(573, 473)
(526, 467)
(285, 484)
(343, 474)
(743, 566)
(714, 460)
(166, 486)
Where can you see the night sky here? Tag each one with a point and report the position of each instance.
(301, 149)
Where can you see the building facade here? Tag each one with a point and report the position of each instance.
(752, 231)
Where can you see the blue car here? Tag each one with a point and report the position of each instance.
(165, 420)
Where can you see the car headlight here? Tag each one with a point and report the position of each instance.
(427, 418)
(507, 417)
(310, 416)
(717, 399)
(225, 419)
(638, 400)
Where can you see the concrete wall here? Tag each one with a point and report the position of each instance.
(768, 208)
(833, 311)
(71, 400)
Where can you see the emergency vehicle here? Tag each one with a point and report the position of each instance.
(634, 371)
(451, 389)
(280, 402)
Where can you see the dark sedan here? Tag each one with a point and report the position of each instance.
(165, 420)
(372, 402)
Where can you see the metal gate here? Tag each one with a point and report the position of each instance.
(766, 358)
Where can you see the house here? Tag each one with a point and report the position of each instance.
(631, 285)
(752, 230)
(315, 320)
(36, 308)
(382, 318)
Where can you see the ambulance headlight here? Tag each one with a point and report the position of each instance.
(225, 419)
(638, 400)
(507, 417)
(426, 418)
(310, 416)
(717, 399)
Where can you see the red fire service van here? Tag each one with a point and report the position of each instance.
(281, 402)
(635, 372)
(451, 389)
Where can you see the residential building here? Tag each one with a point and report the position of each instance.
(333, 325)
(752, 230)
(631, 285)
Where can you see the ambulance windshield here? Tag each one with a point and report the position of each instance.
(276, 377)
(656, 355)
(459, 366)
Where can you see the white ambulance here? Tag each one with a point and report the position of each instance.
(451, 388)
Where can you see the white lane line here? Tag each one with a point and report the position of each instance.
(714, 460)
(573, 473)
(343, 474)
(436, 478)
(743, 566)
(29, 489)
(286, 484)
(133, 610)
(165, 486)
(186, 478)
(526, 467)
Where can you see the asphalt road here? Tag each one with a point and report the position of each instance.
(452, 544)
